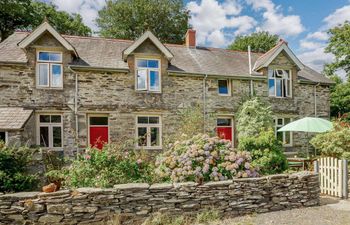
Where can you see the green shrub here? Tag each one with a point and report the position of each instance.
(203, 158)
(253, 116)
(14, 174)
(335, 143)
(266, 151)
(102, 168)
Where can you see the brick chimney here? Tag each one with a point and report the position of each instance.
(191, 38)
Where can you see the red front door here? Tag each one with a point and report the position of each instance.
(224, 133)
(98, 131)
(224, 128)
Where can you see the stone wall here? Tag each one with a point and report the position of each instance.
(233, 198)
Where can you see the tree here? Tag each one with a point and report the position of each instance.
(71, 24)
(129, 19)
(339, 46)
(14, 14)
(258, 42)
(340, 99)
(253, 116)
(28, 14)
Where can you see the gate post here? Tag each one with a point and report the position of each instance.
(316, 168)
(345, 178)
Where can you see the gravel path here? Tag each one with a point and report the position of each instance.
(331, 212)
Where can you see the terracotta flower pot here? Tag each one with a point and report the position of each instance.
(50, 188)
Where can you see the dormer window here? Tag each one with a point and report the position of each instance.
(280, 83)
(49, 69)
(148, 75)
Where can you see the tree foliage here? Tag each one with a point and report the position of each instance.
(28, 14)
(339, 46)
(254, 116)
(258, 42)
(340, 99)
(129, 19)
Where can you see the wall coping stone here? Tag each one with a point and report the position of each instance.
(218, 183)
(185, 184)
(20, 195)
(60, 192)
(132, 186)
(161, 186)
(88, 190)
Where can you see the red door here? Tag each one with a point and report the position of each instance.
(224, 128)
(98, 131)
(224, 133)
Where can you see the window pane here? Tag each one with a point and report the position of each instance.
(57, 136)
(287, 137)
(43, 74)
(55, 119)
(154, 120)
(99, 121)
(280, 136)
(44, 119)
(142, 119)
(223, 86)
(155, 136)
(44, 56)
(288, 87)
(280, 122)
(55, 57)
(279, 88)
(154, 80)
(223, 122)
(2, 137)
(286, 121)
(271, 73)
(141, 79)
(153, 64)
(56, 71)
(271, 87)
(44, 137)
(142, 136)
(141, 63)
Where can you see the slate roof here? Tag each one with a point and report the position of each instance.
(13, 118)
(107, 53)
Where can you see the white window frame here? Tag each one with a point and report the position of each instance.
(6, 136)
(88, 122)
(49, 72)
(50, 126)
(232, 126)
(275, 86)
(228, 87)
(149, 126)
(148, 85)
(284, 133)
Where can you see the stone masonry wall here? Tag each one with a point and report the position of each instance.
(232, 197)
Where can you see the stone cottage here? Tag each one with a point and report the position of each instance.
(67, 92)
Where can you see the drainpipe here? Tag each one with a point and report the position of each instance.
(204, 101)
(315, 90)
(76, 107)
(250, 70)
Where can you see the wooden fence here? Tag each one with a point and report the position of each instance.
(333, 175)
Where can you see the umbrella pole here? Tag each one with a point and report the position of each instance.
(307, 147)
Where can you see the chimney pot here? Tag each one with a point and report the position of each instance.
(191, 38)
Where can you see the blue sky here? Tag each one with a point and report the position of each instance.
(303, 23)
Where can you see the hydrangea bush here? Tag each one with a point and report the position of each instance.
(203, 158)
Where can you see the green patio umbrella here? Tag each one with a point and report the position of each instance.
(308, 125)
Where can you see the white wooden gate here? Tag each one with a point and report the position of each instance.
(333, 175)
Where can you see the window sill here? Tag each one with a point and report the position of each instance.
(225, 95)
(148, 92)
(280, 97)
(50, 88)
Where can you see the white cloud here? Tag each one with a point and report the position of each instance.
(316, 58)
(338, 17)
(274, 21)
(310, 44)
(210, 18)
(88, 9)
(318, 35)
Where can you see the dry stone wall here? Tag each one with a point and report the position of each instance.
(95, 205)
